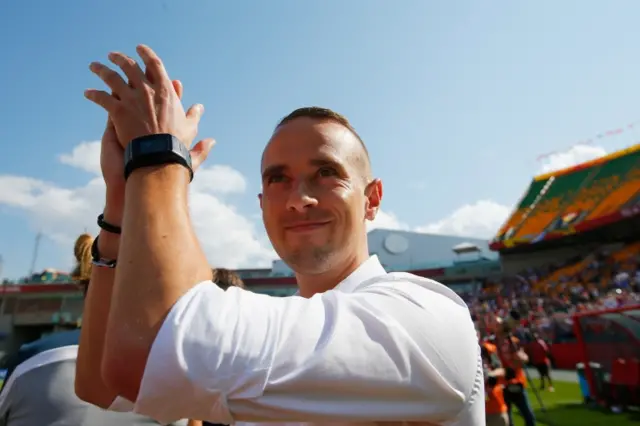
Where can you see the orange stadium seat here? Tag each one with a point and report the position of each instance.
(522, 210)
(628, 188)
(551, 205)
(568, 271)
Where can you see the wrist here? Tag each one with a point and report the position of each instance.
(108, 245)
(114, 208)
(170, 176)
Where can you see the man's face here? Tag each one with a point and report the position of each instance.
(316, 195)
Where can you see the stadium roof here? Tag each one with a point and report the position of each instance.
(575, 199)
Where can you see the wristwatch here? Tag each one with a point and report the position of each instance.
(154, 150)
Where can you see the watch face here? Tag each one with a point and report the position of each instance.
(152, 145)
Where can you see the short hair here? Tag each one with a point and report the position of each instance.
(321, 113)
(225, 278)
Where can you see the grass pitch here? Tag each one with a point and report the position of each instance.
(565, 408)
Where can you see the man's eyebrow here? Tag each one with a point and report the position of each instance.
(324, 162)
(273, 170)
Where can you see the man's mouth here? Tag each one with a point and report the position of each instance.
(306, 226)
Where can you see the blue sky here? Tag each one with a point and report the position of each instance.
(455, 101)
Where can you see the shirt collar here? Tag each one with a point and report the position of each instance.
(369, 269)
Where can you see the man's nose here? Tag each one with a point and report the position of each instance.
(301, 198)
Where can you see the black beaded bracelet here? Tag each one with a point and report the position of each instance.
(98, 260)
(106, 226)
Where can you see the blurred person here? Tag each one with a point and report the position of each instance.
(541, 359)
(39, 387)
(514, 359)
(225, 278)
(343, 350)
(495, 405)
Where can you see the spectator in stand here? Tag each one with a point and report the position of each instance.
(540, 353)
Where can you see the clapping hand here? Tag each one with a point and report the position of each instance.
(148, 104)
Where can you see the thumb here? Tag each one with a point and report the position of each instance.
(177, 86)
(195, 112)
(200, 152)
(109, 129)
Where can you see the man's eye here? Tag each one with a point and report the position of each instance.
(275, 178)
(327, 172)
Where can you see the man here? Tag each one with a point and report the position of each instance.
(513, 359)
(39, 389)
(495, 405)
(540, 357)
(357, 345)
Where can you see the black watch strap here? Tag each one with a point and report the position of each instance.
(155, 150)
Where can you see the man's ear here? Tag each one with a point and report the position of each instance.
(373, 192)
(260, 199)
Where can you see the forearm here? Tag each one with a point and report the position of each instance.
(88, 384)
(160, 259)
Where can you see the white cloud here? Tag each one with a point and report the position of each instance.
(85, 156)
(386, 220)
(228, 238)
(481, 219)
(219, 179)
(571, 157)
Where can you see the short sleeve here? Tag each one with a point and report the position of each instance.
(393, 351)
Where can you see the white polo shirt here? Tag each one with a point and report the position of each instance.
(378, 348)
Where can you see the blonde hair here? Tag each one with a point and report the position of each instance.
(225, 278)
(82, 253)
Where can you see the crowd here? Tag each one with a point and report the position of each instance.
(544, 299)
(536, 308)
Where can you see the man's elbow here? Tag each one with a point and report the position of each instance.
(122, 370)
(91, 392)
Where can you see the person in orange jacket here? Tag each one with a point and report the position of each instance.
(514, 359)
(495, 405)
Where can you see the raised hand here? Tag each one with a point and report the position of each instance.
(148, 104)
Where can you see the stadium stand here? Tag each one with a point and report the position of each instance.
(582, 292)
(576, 199)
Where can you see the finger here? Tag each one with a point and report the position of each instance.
(155, 67)
(200, 152)
(102, 98)
(129, 67)
(177, 86)
(110, 77)
(110, 127)
(110, 135)
(195, 113)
